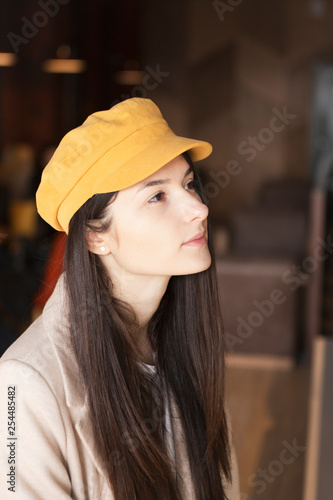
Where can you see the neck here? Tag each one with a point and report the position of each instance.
(143, 294)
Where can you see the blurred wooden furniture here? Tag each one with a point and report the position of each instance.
(318, 483)
(261, 281)
(260, 311)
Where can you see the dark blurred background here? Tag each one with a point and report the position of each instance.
(253, 77)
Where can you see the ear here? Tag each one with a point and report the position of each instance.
(96, 243)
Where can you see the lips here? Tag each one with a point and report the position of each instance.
(196, 237)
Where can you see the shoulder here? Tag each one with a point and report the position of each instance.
(35, 420)
(29, 367)
(33, 341)
(43, 351)
(42, 395)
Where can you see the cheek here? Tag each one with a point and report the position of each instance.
(148, 236)
(131, 241)
(149, 245)
(149, 241)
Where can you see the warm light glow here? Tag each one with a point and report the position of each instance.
(129, 77)
(64, 66)
(7, 59)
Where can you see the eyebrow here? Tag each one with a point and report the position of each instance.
(156, 182)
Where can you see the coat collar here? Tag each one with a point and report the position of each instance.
(55, 320)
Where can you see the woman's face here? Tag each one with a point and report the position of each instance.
(151, 223)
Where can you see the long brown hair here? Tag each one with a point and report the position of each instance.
(126, 407)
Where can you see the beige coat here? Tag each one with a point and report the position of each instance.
(47, 445)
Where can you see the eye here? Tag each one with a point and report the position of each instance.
(192, 185)
(158, 197)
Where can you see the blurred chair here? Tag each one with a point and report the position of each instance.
(276, 225)
(262, 296)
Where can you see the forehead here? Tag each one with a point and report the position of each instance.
(175, 168)
(173, 171)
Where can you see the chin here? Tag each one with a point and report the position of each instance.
(199, 267)
(207, 266)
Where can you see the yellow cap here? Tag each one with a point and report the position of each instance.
(110, 151)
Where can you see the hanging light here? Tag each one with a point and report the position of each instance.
(7, 59)
(129, 77)
(64, 63)
(130, 74)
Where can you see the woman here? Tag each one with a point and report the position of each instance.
(117, 391)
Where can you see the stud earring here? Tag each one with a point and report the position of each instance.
(102, 249)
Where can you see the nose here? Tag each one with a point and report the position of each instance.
(193, 208)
